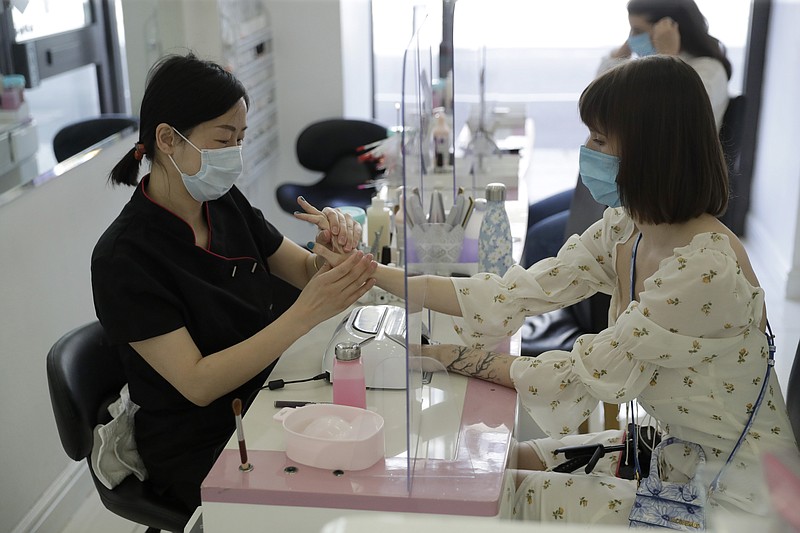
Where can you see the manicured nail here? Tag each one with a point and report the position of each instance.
(302, 199)
(310, 245)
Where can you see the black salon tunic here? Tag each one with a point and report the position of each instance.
(149, 278)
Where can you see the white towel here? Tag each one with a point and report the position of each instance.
(114, 454)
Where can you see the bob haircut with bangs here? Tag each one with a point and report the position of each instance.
(657, 112)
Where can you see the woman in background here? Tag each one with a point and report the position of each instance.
(186, 280)
(677, 28)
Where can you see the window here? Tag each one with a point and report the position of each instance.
(538, 54)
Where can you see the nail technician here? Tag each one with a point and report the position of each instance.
(186, 279)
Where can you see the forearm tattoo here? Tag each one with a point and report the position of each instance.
(489, 366)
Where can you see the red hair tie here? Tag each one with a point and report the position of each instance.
(138, 151)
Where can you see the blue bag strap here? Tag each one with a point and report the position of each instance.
(754, 410)
(636, 467)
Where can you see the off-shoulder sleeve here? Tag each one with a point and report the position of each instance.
(494, 307)
(698, 305)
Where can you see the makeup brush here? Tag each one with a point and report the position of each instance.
(237, 412)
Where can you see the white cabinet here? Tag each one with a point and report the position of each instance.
(18, 145)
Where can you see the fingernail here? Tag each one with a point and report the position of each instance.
(310, 245)
(297, 212)
(303, 199)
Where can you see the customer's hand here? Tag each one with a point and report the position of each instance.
(437, 356)
(425, 358)
(337, 231)
(334, 289)
(666, 37)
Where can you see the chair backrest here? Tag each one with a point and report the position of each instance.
(731, 136)
(793, 395)
(321, 144)
(731, 132)
(78, 136)
(85, 375)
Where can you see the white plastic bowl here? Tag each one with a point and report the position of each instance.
(333, 437)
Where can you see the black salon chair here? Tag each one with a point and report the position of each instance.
(329, 146)
(85, 376)
(731, 136)
(78, 136)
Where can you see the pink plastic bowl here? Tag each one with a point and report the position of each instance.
(333, 437)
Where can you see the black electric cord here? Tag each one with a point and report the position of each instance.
(279, 384)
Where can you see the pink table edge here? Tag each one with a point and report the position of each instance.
(471, 484)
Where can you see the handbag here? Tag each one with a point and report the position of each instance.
(681, 506)
(667, 504)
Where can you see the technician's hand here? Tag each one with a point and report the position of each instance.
(666, 37)
(337, 231)
(334, 289)
(331, 257)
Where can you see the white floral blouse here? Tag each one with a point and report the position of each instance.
(689, 351)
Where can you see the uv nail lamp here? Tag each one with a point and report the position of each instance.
(380, 330)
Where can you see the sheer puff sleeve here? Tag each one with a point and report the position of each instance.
(494, 307)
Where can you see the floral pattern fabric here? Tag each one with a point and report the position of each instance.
(689, 351)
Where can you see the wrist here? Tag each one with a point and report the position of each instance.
(317, 264)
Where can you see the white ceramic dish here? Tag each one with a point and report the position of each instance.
(333, 437)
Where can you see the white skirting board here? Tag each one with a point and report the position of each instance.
(55, 508)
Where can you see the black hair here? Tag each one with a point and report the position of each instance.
(658, 113)
(182, 91)
(692, 26)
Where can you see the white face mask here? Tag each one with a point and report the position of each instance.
(219, 169)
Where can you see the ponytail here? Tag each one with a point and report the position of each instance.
(126, 171)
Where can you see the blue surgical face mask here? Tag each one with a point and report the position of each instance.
(641, 44)
(219, 170)
(599, 174)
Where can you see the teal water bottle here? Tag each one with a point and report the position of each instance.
(494, 239)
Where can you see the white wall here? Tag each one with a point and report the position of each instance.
(47, 238)
(356, 25)
(316, 43)
(774, 218)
